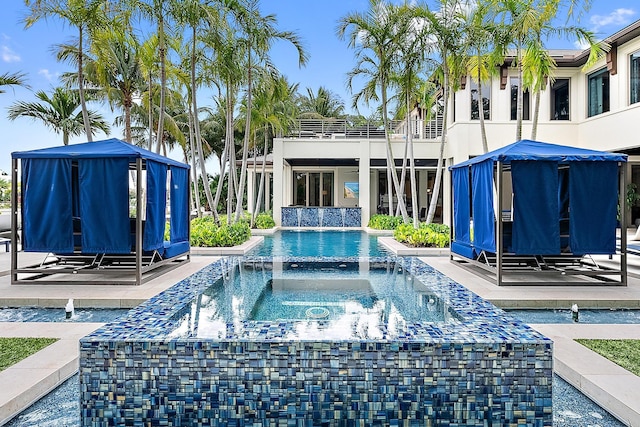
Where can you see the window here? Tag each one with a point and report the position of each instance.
(560, 99)
(598, 93)
(313, 188)
(634, 78)
(486, 101)
(515, 84)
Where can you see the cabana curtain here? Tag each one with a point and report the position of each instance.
(484, 229)
(47, 224)
(536, 229)
(179, 225)
(153, 236)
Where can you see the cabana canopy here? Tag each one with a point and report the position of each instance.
(75, 201)
(563, 202)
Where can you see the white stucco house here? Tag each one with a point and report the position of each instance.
(338, 170)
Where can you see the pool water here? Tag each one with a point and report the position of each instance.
(601, 316)
(325, 243)
(40, 314)
(343, 299)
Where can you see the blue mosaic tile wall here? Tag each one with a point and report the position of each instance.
(487, 369)
(321, 217)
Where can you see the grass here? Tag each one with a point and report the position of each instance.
(13, 350)
(625, 353)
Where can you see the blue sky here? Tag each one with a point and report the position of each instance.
(30, 51)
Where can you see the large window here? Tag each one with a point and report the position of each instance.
(634, 78)
(486, 101)
(313, 188)
(515, 84)
(598, 93)
(560, 99)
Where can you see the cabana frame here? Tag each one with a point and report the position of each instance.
(137, 266)
(560, 263)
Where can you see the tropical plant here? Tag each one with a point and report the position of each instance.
(375, 35)
(384, 222)
(320, 105)
(205, 232)
(82, 14)
(426, 235)
(264, 220)
(59, 113)
(12, 79)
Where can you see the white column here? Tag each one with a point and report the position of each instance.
(364, 180)
(278, 180)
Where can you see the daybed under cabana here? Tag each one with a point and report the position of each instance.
(557, 204)
(75, 209)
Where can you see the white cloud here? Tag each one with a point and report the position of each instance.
(46, 74)
(8, 55)
(619, 17)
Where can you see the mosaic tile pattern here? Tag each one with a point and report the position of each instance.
(321, 217)
(486, 369)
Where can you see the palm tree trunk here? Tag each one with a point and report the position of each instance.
(245, 145)
(391, 164)
(519, 98)
(412, 168)
(127, 121)
(195, 202)
(150, 112)
(83, 103)
(436, 185)
(483, 129)
(162, 52)
(196, 120)
(262, 176)
(536, 112)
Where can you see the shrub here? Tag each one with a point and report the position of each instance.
(426, 235)
(205, 232)
(384, 222)
(264, 220)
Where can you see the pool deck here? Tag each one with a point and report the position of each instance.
(606, 383)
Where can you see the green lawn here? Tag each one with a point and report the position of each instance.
(13, 350)
(625, 353)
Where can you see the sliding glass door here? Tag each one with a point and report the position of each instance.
(312, 188)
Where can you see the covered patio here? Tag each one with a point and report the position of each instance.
(539, 209)
(74, 203)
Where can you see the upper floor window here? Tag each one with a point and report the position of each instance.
(598, 93)
(560, 99)
(515, 84)
(634, 78)
(486, 101)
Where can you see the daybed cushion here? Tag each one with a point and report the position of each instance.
(175, 249)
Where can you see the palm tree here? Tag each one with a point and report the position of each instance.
(117, 72)
(320, 105)
(444, 25)
(83, 14)
(374, 35)
(58, 112)
(259, 35)
(12, 79)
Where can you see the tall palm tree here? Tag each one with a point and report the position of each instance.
(321, 104)
(12, 79)
(374, 35)
(259, 34)
(59, 113)
(82, 14)
(444, 26)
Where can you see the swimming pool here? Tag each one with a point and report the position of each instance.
(316, 243)
(160, 362)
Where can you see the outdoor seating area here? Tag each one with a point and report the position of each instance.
(75, 207)
(562, 206)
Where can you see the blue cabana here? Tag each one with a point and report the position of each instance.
(562, 205)
(75, 205)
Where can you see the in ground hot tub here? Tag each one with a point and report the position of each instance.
(261, 342)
